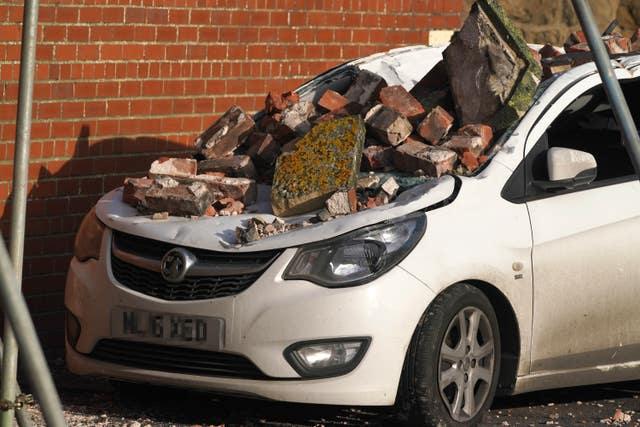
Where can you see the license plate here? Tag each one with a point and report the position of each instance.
(167, 328)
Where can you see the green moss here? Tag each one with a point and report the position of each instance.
(327, 159)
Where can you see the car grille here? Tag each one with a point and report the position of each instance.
(191, 288)
(176, 359)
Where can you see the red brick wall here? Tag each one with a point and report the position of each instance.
(119, 82)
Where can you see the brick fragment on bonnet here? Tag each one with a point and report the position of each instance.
(332, 100)
(173, 167)
(387, 125)
(242, 189)
(399, 99)
(414, 155)
(436, 125)
(298, 116)
(483, 131)
(342, 202)
(262, 148)
(466, 143)
(226, 134)
(351, 109)
(134, 189)
(549, 51)
(183, 199)
(232, 166)
(377, 158)
(366, 88)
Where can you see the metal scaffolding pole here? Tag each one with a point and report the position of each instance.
(33, 359)
(23, 418)
(19, 194)
(611, 84)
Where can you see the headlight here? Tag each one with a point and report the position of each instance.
(89, 237)
(360, 256)
(325, 358)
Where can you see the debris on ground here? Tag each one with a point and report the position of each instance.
(618, 418)
(361, 147)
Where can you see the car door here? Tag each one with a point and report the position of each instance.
(586, 241)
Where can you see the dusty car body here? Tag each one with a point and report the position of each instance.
(555, 263)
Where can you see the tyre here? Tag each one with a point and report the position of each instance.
(451, 371)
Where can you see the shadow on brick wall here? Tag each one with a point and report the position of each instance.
(63, 192)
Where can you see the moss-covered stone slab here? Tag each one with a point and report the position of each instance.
(492, 72)
(326, 159)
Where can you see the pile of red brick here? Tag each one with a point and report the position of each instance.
(577, 51)
(408, 134)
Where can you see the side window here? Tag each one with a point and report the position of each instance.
(587, 124)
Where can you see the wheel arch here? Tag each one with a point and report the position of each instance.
(509, 335)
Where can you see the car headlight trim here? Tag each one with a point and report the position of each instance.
(360, 256)
(89, 237)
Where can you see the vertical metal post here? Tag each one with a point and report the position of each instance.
(19, 191)
(22, 416)
(611, 84)
(33, 359)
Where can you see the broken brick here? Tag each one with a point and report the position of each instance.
(262, 148)
(211, 211)
(388, 125)
(465, 143)
(578, 48)
(399, 99)
(226, 134)
(182, 199)
(414, 155)
(436, 125)
(173, 167)
(298, 116)
(483, 131)
(377, 158)
(242, 189)
(233, 166)
(366, 88)
(615, 43)
(574, 39)
(549, 51)
(134, 189)
(369, 182)
(350, 109)
(390, 187)
(326, 160)
(332, 100)
(235, 207)
(342, 202)
(382, 199)
(469, 161)
(274, 103)
(556, 65)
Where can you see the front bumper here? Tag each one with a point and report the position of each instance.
(260, 323)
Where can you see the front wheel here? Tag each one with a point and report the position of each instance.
(454, 361)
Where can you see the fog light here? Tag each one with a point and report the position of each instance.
(326, 358)
(73, 329)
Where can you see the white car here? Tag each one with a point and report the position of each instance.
(521, 277)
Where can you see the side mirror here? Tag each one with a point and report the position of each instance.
(568, 168)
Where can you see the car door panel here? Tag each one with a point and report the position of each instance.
(585, 278)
